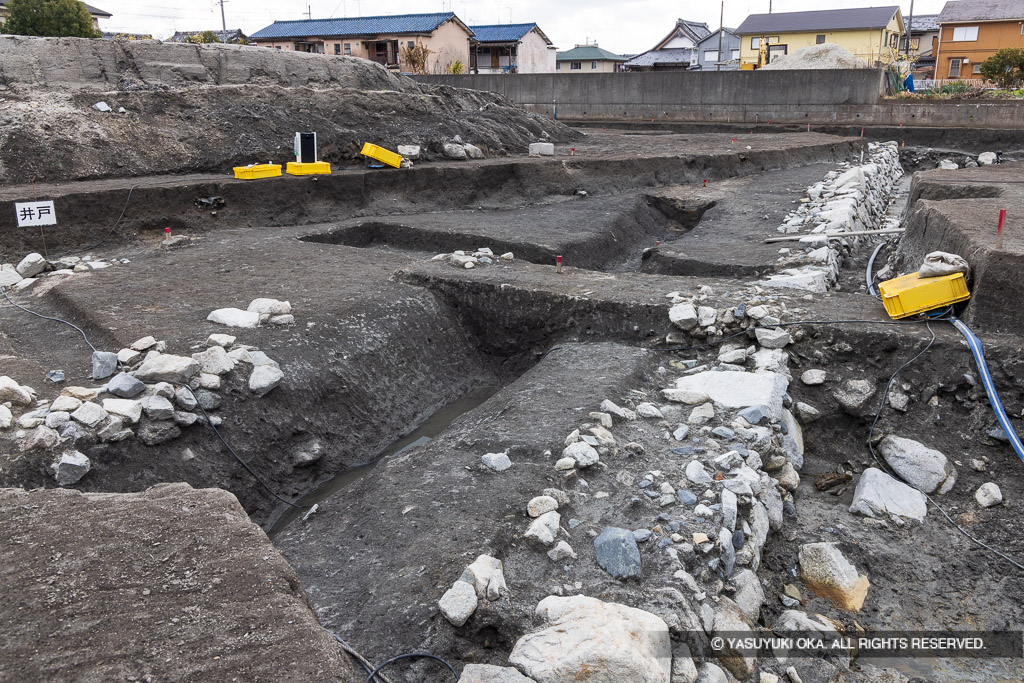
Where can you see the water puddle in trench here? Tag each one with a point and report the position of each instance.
(425, 433)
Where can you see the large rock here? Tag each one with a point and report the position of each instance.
(14, 392)
(125, 386)
(458, 603)
(487, 577)
(740, 389)
(616, 552)
(71, 467)
(583, 453)
(488, 673)
(235, 317)
(731, 622)
(9, 275)
(156, 433)
(772, 338)
(166, 367)
(853, 395)
(544, 529)
(683, 316)
(264, 378)
(749, 595)
(6, 418)
(826, 571)
(31, 265)
(923, 468)
(269, 307)
(157, 408)
(988, 494)
(878, 494)
(542, 149)
(41, 439)
(585, 639)
(214, 361)
(125, 408)
(89, 414)
(104, 364)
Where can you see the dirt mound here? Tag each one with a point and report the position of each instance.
(824, 56)
(206, 108)
(197, 592)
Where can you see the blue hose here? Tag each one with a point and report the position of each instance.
(986, 380)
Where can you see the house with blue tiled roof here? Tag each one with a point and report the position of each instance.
(511, 48)
(382, 39)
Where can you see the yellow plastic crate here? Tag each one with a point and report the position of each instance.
(909, 295)
(255, 171)
(319, 167)
(382, 155)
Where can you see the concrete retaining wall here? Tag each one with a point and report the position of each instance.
(848, 96)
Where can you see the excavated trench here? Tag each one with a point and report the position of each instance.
(398, 390)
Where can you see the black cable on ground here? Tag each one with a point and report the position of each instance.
(411, 655)
(359, 658)
(47, 317)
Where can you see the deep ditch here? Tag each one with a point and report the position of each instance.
(433, 368)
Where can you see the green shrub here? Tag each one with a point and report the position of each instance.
(1005, 68)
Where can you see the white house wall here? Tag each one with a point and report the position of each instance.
(535, 56)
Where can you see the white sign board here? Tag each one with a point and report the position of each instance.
(31, 214)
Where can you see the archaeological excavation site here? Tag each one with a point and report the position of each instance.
(503, 383)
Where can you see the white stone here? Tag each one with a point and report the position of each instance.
(166, 367)
(826, 571)
(740, 389)
(14, 392)
(499, 462)
(31, 265)
(565, 464)
(101, 106)
(220, 340)
(125, 408)
(702, 414)
(6, 418)
(487, 577)
(208, 381)
(772, 339)
(542, 149)
(282, 319)
(128, 356)
(685, 396)
(813, 377)
(264, 378)
(9, 275)
(544, 529)
(144, 344)
(157, 408)
(586, 639)
(986, 158)
(988, 494)
(235, 317)
(948, 165)
(214, 361)
(878, 494)
(458, 603)
(611, 408)
(696, 473)
(269, 307)
(923, 468)
(649, 410)
(541, 504)
(683, 316)
(89, 414)
(68, 404)
(562, 551)
(409, 151)
(583, 453)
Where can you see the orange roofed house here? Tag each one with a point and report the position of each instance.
(971, 31)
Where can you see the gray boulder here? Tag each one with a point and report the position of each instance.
(853, 395)
(616, 552)
(264, 379)
(70, 468)
(104, 364)
(155, 433)
(878, 494)
(89, 414)
(214, 361)
(458, 603)
(772, 339)
(923, 468)
(157, 408)
(166, 367)
(125, 386)
(488, 673)
(31, 265)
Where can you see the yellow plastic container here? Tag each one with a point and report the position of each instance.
(319, 167)
(909, 295)
(257, 171)
(382, 155)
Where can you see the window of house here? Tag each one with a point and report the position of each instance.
(954, 68)
(558, 65)
(278, 47)
(965, 33)
(735, 54)
(977, 68)
(755, 43)
(576, 66)
(337, 48)
(593, 65)
(348, 48)
(710, 55)
(412, 44)
(819, 39)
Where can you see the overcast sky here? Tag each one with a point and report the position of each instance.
(622, 26)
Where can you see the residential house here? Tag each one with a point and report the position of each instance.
(95, 12)
(111, 35)
(871, 33)
(710, 58)
(923, 30)
(232, 36)
(675, 52)
(974, 30)
(380, 39)
(588, 59)
(511, 48)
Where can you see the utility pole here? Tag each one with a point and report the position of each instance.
(223, 21)
(910, 23)
(721, 25)
(308, 12)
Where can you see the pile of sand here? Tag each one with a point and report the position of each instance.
(824, 56)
